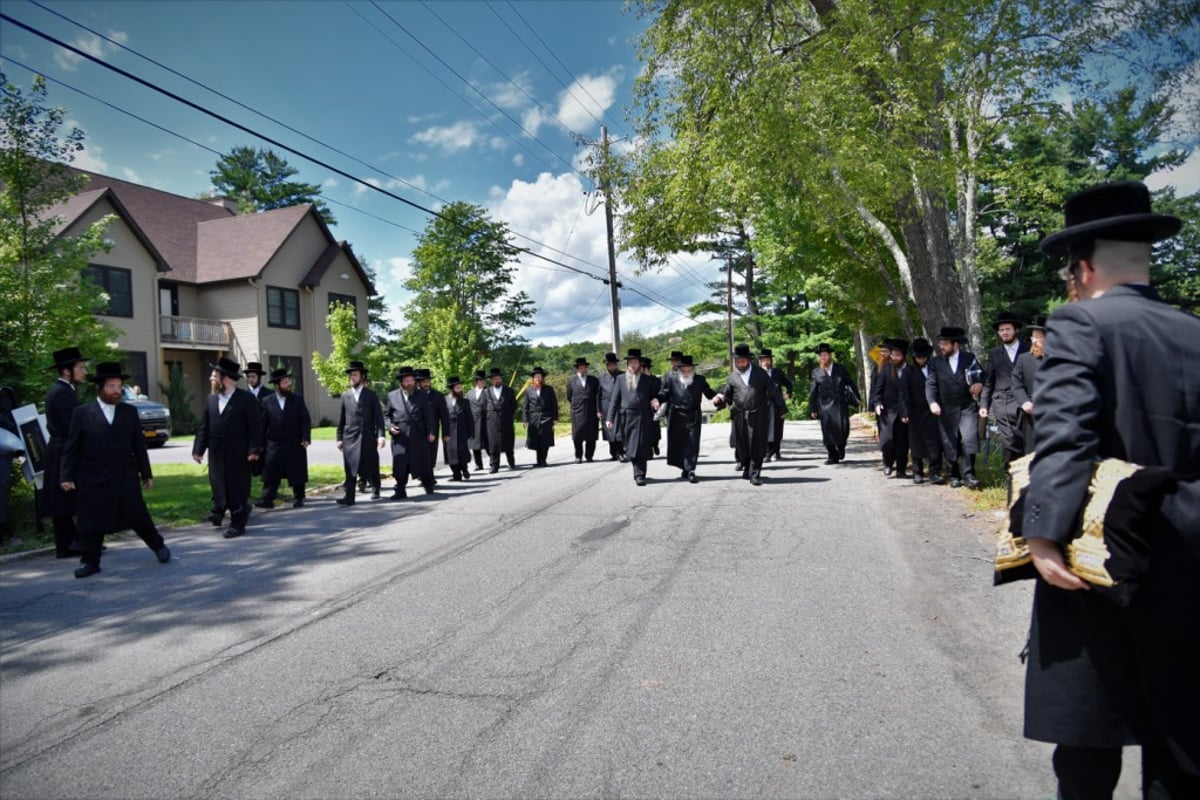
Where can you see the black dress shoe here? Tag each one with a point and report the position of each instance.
(163, 554)
(264, 504)
(85, 570)
(955, 483)
(399, 494)
(831, 460)
(756, 481)
(640, 481)
(900, 474)
(298, 502)
(737, 467)
(745, 474)
(918, 479)
(345, 501)
(937, 480)
(692, 478)
(69, 553)
(887, 472)
(216, 519)
(971, 480)
(466, 475)
(375, 493)
(233, 533)
(428, 487)
(578, 460)
(493, 470)
(623, 458)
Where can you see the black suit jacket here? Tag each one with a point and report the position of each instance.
(997, 377)
(61, 402)
(105, 462)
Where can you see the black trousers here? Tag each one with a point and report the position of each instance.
(65, 536)
(270, 491)
(494, 456)
(90, 539)
(639, 468)
(588, 446)
(1091, 773)
(478, 458)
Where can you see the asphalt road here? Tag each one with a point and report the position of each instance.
(552, 632)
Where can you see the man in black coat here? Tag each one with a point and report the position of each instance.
(360, 433)
(630, 410)
(1118, 381)
(766, 360)
(230, 430)
(1024, 382)
(254, 385)
(583, 398)
(608, 383)
(885, 402)
(831, 392)
(684, 392)
(478, 418)
(436, 401)
(61, 401)
(655, 388)
(953, 384)
(287, 429)
(539, 412)
(753, 400)
(500, 406)
(103, 458)
(411, 421)
(924, 437)
(997, 402)
(459, 429)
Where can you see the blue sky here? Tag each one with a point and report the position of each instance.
(448, 100)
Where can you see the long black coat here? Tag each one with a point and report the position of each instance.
(783, 385)
(360, 425)
(752, 404)
(584, 401)
(885, 391)
(501, 414)
(829, 398)
(436, 401)
(410, 421)
(257, 467)
(629, 411)
(478, 418)
(460, 427)
(230, 437)
(959, 421)
(685, 418)
(608, 383)
(284, 430)
(1024, 383)
(61, 402)
(1119, 379)
(107, 464)
(539, 413)
(924, 432)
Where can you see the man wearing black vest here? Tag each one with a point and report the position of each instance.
(500, 404)
(360, 433)
(997, 401)
(583, 398)
(230, 430)
(287, 429)
(630, 410)
(753, 400)
(411, 421)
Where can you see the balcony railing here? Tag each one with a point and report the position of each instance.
(194, 332)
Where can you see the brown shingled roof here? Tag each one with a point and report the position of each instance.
(240, 247)
(66, 213)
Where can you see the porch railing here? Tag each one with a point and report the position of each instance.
(213, 333)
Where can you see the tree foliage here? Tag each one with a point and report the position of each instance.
(259, 179)
(44, 306)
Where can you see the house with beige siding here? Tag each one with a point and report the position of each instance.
(189, 280)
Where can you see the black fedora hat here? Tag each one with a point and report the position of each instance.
(582, 362)
(357, 366)
(1007, 318)
(766, 353)
(106, 370)
(742, 351)
(676, 355)
(899, 344)
(1039, 323)
(611, 358)
(953, 333)
(646, 361)
(537, 371)
(480, 375)
(634, 352)
(453, 381)
(1117, 211)
(824, 347)
(686, 361)
(921, 348)
(277, 375)
(422, 374)
(495, 372)
(404, 372)
(255, 367)
(227, 367)
(67, 357)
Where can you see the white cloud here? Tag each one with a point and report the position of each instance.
(329, 183)
(510, 94)
(91, 44)
(518, 159)
(449, 138)
(90, 158)
(1185, 178)
(586, 100)
(130, 175)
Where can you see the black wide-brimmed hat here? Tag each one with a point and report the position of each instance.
(646, 361)
(480, 375)
(686, 361)
(676, 355)
(537, 371)
(582, 362)
(106, 370)
(67, 357)
(277, 375)
(228, 368)
(1007, 318)
(453, 381)
(953, 333)
(611, 358)
(921, 348)
(765, 353)
(356, 366)
(634, 353)
(255, 367)
(1116, 211)
(422, 374)
(404, 372)
(1039, 323)
(899, 344)
(742, 351)
(824, 347)
(495, 372)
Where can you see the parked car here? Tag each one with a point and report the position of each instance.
(155, 418)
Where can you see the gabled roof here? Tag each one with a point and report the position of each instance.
(322, 265)
(241, 247)
(76, 206)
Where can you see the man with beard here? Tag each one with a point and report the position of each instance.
(583, 396)
(753, 401)
(953, 385)
(287, 429)
(61, 400)
(360, 425)
(766, 360)
(655, 388)
(683, 391)
(254, 373)
(479, 418)
(501, 409)
(104, 457)
(539, 413)
(1024, 381)
(411, 421)
(924, 439)
(608, 384)
(230, 430)
(830, 393)
(997, 401)
(459, 430)
(1111, 667)
(630, 410)
(885, 401)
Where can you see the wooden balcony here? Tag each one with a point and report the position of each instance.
(206, 334)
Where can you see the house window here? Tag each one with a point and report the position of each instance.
(117, 283)
(134, 364)
(348, 299)
(294, 367)
(283, 308)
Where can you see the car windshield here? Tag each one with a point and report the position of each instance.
(128, 394)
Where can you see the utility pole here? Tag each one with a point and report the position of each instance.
(612, 248)
(729, 301)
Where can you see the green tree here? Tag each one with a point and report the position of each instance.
(259, 179)
(44, 305)
(348, 341)
(179, 401)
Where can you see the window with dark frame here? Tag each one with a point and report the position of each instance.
(283, 308)
(348, 299)
(117, 283)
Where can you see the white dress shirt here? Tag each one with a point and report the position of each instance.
(110, 411)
